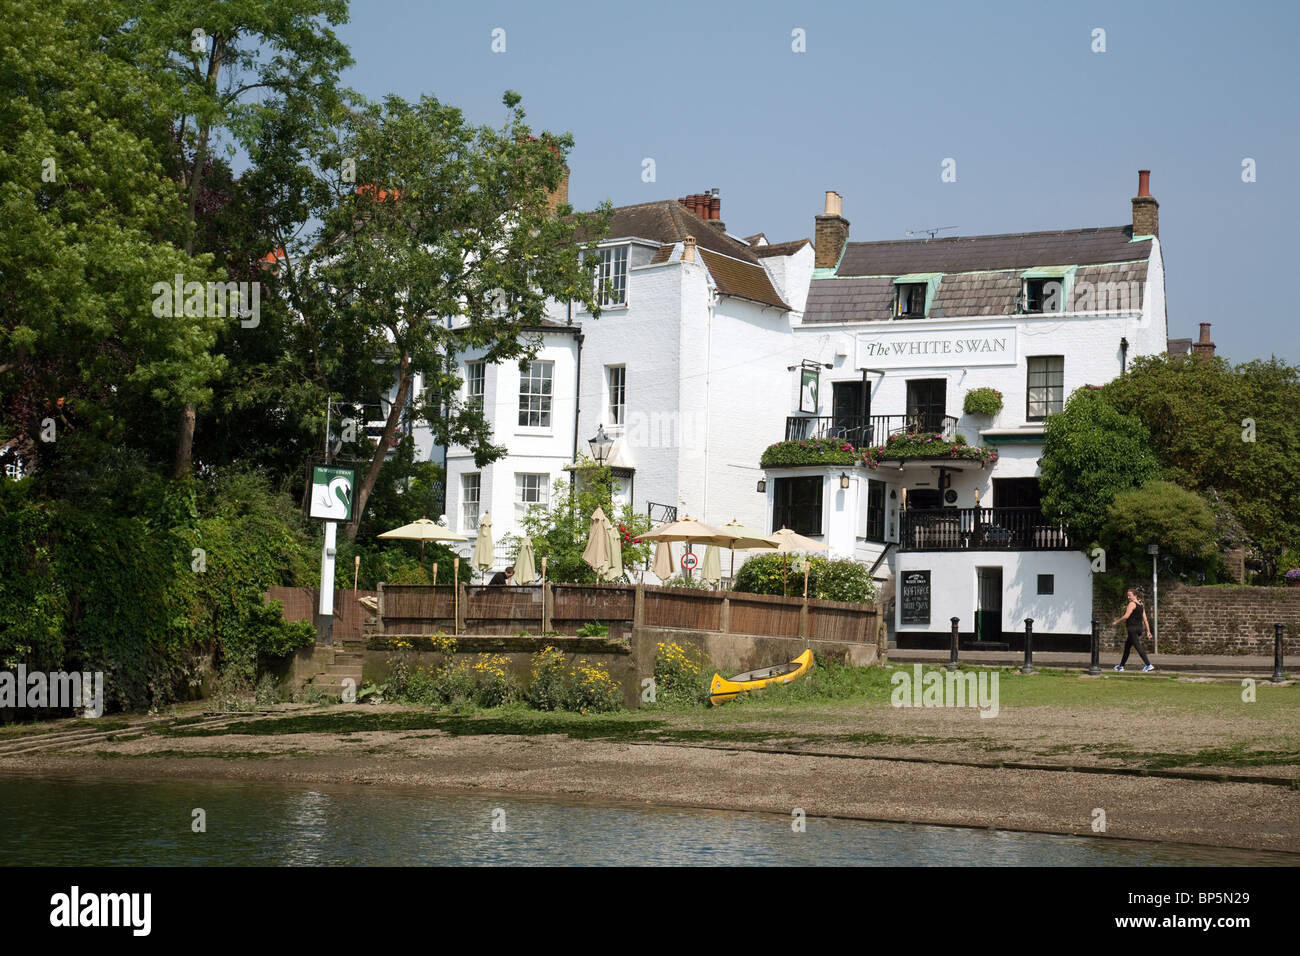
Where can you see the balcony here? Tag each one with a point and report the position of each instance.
(862, 431)
(979, 529)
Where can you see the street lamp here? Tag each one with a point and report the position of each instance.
(600, 445)
(1154, 551)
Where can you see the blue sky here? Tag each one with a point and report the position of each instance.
(1046, 134)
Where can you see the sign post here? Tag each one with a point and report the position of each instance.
(332, 500)
(1154, 551)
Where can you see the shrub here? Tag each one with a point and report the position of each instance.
(591, 688)
(1160, 511)
(829, 579)
(982, 401)
(593, 629)
(809, 451)
(547, 676)
(694, 582)
(681, 674)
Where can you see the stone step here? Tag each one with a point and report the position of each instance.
(348, 657)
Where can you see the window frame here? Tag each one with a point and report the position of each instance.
(541, 485)
(475, 374)
(875, 511)
(613, 268)
(541, 403)
(792, 515)
(1051, 405)
(1041, 282)
(466, 522)
(912, 289)
(617, 410)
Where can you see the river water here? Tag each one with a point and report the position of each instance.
(78, 821)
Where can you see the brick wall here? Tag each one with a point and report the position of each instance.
(1212, 620)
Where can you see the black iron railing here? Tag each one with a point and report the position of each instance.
(660, 514)
(979, 529)
(864, 430)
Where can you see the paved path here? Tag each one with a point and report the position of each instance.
(1204, 665)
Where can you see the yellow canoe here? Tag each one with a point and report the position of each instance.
(722, 689)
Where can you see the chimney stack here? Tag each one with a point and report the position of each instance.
(1146, 211)
(1203, 347)
(688, 249)
(831, 232)
(560, 195)
(706, 205)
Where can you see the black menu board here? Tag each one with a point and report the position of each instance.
(916, 597)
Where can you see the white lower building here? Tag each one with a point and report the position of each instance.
(893, 338)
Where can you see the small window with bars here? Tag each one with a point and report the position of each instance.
(535, 395)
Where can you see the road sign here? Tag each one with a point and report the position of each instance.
(332, 492)
(690, 561)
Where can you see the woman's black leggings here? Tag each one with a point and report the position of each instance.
(1134, 641)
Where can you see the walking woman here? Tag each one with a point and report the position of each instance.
(1135, 620)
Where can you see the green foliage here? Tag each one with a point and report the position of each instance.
(982, 401)
(140, 590)
(547, 679)
(1199, 414)
(593, 629)
(810, 451)
(829, 579)
(1160, 511)
(926, 445)
(560, 530)
(1091, 452)
(681, 674)
(693, 583)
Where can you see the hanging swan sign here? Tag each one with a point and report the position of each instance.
(332, 492)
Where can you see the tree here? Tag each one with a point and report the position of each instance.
(560, 531)
(1091, 452)
(230, 67)
(450, 220)
(1233, 430)
(86, 214)
(1180, 521)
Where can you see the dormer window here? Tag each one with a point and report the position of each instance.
(909, 300)
(1041, 295)
(611, 276)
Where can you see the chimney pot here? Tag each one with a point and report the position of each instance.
(688, 249)
(715, 206)
(1144, 182)
(834, 203)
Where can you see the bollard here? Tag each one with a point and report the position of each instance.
(1277, 652)
(1028, 666)
(1095, 667)
(952, 658)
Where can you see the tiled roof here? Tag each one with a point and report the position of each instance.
(780, 248)
(662, 254)
(744, 280)
(990, 253)
(987, 271)
(669, 221)
(1178, 346)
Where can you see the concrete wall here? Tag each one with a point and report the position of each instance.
(1221, 619)
(736, 653)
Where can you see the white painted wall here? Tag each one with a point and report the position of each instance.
(954, 593)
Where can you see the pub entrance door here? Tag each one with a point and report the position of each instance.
(988, 612)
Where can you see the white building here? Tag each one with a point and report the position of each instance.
(693, 320)
(893, 337)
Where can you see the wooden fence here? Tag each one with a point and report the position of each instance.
(564, 608)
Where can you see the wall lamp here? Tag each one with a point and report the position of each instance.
(844, 480)
(762, 486)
